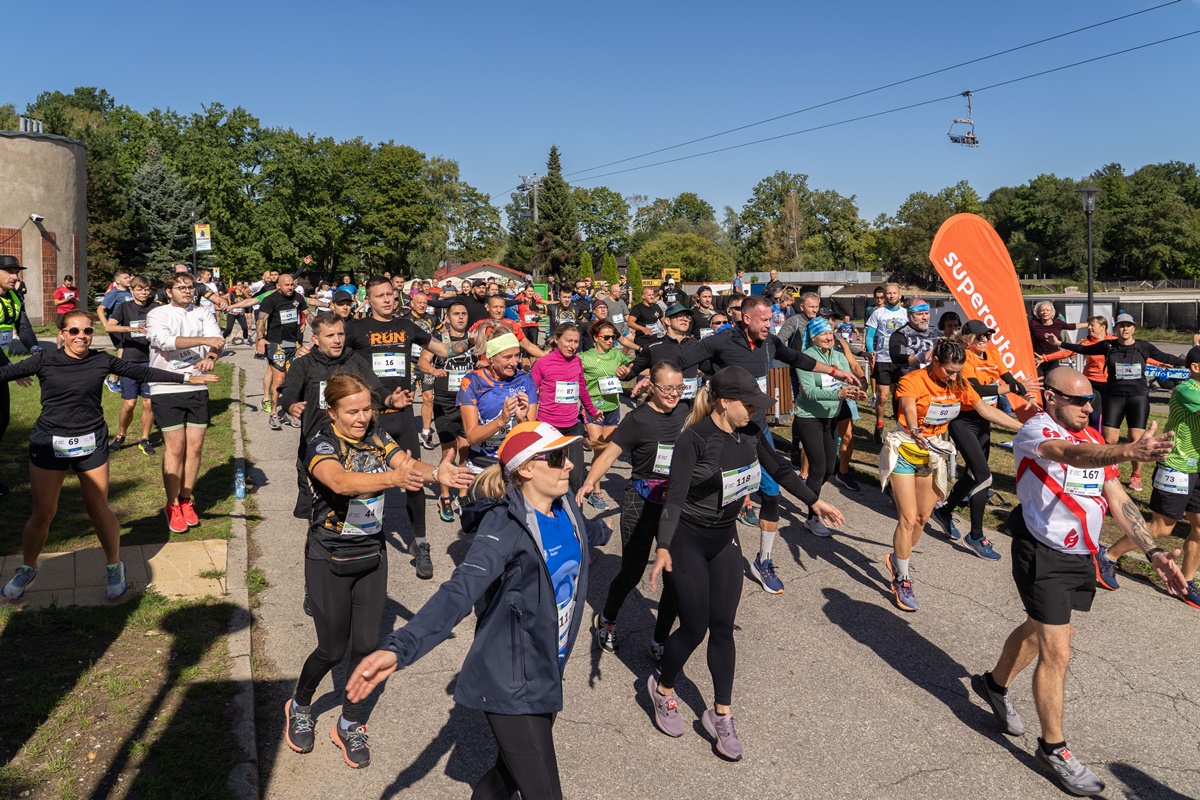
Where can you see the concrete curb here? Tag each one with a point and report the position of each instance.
(243, 778)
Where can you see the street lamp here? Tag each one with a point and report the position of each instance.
(191, 212)
(1088, 195)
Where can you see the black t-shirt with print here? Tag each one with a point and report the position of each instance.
(339, 521)
(388, 348)
(283, 317)
(646, 316)
(136, 347)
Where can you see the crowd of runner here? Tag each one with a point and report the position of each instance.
(677, 385)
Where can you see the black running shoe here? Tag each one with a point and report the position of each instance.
(445, 510)
(422, 561)
(298, 728)
(879, 436)
(145, 446)
(353, 744)
(118, 442)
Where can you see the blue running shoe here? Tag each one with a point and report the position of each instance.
(113, 385)
(846, 481)
(14, 590)
(115, 581)
(1106, 570)
(945, 517)
(906, 600)
(747, 516)
(596, 501)
(764, 573)
(1192, 595)
(982, 547)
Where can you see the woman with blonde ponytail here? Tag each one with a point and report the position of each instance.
(527, 524)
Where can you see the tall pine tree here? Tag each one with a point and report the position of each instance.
(557, 242)
(161, 226)
(608, 269)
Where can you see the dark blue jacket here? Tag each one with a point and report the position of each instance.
(512, 666)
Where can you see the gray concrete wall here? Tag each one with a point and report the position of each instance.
(45, 175)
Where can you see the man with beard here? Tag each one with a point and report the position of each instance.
(1067, 479)
(476, 301)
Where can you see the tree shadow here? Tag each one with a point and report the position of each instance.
(468, 740)
(165, 772)
(1142, 786)
(917, 659)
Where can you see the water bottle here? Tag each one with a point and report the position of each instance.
(239, 485)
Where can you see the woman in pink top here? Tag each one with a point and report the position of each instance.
(559, 379)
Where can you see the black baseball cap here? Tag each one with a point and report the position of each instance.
(340, 295)
(479, 282)
(735, 383)
(10, 263)
(974, 327)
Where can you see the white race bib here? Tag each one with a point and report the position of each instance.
(184, 359)
(288, 316)
(498, 437)
(5, 338)
(416, 350)
(454, 379)
(389, 365)
(690, 387)
(73, 446)
(706, 332)
(530, 318)
(1085, 482)
(941, 413)
(829, 382)
(737, 483)
(1171, 481)
(1128, 372)
(762, 384)
(321, 396)
(566, 392)
(609, 384)
(138, 333)
(566, 610)
(662, 459)
(364, 516)
(618, 319)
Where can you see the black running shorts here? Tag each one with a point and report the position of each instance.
(1174, 506)
(47, 451)
(1051, 583)
(885, 373)
(279, 356)
(449, 423)
(180, 409)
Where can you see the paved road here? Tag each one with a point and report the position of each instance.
(838, 693)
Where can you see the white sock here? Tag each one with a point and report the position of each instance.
(345, 724)
(765, 540)
(901, 565)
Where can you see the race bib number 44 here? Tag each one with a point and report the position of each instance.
(737, 483)
(364, 516)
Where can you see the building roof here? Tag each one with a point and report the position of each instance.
(476, 266)
(52, 137)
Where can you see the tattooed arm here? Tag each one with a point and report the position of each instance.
(1125, 513)
(1083, 455)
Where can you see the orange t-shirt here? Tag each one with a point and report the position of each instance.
(936, 404)
(986, 371)
(1095, 368)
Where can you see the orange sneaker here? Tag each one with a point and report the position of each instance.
(189, 512)
(175, 520)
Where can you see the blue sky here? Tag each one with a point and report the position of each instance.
(493, 85)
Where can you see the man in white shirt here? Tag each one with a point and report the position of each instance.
(184, 338)
(883, 322)
(1067, 479)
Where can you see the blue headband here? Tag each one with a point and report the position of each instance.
(817, 326)
(918, 308)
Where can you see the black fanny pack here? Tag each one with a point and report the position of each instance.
(351, 561)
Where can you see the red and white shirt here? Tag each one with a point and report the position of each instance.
(1063, 506)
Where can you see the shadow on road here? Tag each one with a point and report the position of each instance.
(1142, 786)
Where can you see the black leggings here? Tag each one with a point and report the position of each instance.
(972, 435)
(1133, 411)
(818, 437)
(1096, 418)
(346, 611)
(575, 453)
(526, 762)
(639, 526)
(402, 426)
(5, 413)
(240, 319)
(706, 578)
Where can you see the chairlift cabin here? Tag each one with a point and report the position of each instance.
(964, 137)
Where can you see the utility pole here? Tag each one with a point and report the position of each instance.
(192, 216)
(531, 183)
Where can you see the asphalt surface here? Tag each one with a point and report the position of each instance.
(838, 693)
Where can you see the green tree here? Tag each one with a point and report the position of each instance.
(688, 206)
(557, 241)
(633, 274)
(763, 233)
(697, 258)
(609, 270)
(603, 220)
(586, 269)
(521, 235)
(161, 224)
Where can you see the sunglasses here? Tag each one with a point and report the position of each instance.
(1080, 400)
(77, 331)
(555, 459)
(607, 338)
